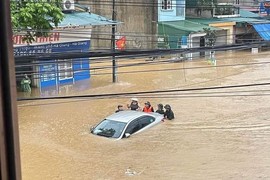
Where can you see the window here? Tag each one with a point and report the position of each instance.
(109, 128)
(65, 70)
(180, 8)
(146, 120)
(133, 127)
(166, 4)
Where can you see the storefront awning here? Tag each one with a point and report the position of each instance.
(85, 19)
(187, 26)
(263, 30)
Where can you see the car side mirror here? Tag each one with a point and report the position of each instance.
(127, 135)
(92, 129)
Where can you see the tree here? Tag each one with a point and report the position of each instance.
(210, 37)
(210, 40)
(35, 18)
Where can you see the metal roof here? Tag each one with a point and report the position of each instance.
(245, 13)
(126, 116)
(222, 20)
(263, 30)
(243, 19)
(205, 21)
(188, 26)
(85, 19)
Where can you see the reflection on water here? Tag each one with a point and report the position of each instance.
(211, 138)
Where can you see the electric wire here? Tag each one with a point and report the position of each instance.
(74, 55)
(147, 92)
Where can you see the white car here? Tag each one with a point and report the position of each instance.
(124, 123)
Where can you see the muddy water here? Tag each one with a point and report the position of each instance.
(211, 138)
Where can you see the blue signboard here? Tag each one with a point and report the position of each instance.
(49, 71)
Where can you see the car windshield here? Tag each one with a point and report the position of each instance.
(109, 128)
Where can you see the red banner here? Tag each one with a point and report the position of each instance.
(121, 43)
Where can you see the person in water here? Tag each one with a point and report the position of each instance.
(160, 109)
(168, 113)
(148, 108)
(134, 105)
(25, 84)
(119, 108)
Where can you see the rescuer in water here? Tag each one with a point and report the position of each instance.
(160, 109)
(168, 113)
(119, 108)
(134, 105)
(148, 108)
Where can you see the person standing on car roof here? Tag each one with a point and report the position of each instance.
(148, 108)
(168, 113)
(134, 105)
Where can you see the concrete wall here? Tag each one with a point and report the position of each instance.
(139, 23)
(221, 38)
(194, 12)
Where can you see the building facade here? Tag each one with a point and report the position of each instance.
(72, 35)
(138, 23)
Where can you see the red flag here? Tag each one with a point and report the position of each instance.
(121, 43)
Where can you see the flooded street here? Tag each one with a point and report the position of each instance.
(221, 137)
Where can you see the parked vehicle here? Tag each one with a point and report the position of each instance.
(125, 123)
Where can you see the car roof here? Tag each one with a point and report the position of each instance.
(126, 116)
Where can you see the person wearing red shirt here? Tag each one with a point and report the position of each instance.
(148, 108)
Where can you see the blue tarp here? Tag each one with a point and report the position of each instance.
(263, 30)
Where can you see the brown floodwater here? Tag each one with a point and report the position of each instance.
(221, 137)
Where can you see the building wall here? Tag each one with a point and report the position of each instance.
(174, 12)
(139, 23)
(229, 36)
(221, 38)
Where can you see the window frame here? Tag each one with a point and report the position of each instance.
(135, 121)
(65, 69)
(166, 5)
(143, 118)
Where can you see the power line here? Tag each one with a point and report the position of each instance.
(108, 59)
(143, 4)
(141, 64)
(74, 55)
(125, 33)
(147, 92)
(160, 97)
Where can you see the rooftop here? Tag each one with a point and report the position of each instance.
(187, 25)
(126, 116)
(85, 19)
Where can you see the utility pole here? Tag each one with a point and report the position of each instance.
(9, 134)
(113, 43)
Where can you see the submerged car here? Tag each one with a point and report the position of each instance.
(125, 123)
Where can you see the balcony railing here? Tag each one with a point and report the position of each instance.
(226, 11)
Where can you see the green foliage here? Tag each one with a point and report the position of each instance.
(210, 37)
(35, 18)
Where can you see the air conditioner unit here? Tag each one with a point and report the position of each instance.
(68, 5)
